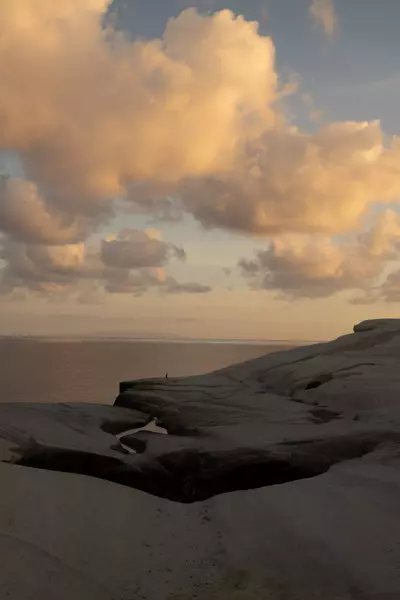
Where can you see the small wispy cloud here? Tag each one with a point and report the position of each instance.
(324, 15)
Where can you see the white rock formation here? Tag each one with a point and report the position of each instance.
(322, 421)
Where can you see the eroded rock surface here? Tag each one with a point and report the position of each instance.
(283, 417)
(322, 420)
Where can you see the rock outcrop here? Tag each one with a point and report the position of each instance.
(311, 436)
(285, 416)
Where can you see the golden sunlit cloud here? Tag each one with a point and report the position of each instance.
(315, 266)
(25, 215)
(292, 181)
(193, 118)
(88, 110)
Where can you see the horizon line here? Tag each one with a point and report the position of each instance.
(162, 339)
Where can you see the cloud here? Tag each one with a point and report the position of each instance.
(390, 291)
(318, 266)
(137, 282)
(154, 200)
(315, 115)
(171, 286)
(90, 111)
(188, 123)
(133, 249)
(25, 215)
(140, 281)
(132, 263)
(289, 181)
(193, 116)
(93, 116)
(40, 268)
(324, 16)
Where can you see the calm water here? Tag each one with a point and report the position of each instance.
(89, 371)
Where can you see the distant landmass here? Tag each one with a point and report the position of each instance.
(147, 336)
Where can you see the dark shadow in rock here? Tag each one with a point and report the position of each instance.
(119, 448)
(191, 475)
(70, 461)
(323, 415)
(135, 443)
(118, 427)
(316, 383)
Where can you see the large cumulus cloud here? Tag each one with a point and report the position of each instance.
(90, 111)
(297, 182)
(190, 122)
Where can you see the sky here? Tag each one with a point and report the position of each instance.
(219, 169)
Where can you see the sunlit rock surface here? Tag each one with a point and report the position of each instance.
(278, 478)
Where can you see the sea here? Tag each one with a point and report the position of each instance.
(82, 370)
